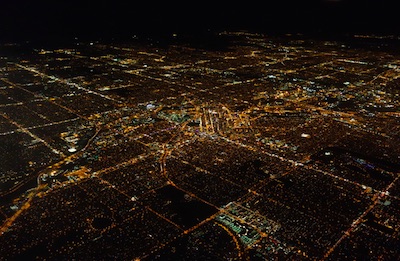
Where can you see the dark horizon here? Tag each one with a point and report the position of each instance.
(56, 20)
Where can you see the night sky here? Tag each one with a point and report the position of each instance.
(45, 19)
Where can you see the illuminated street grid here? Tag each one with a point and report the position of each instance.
(264, 148)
